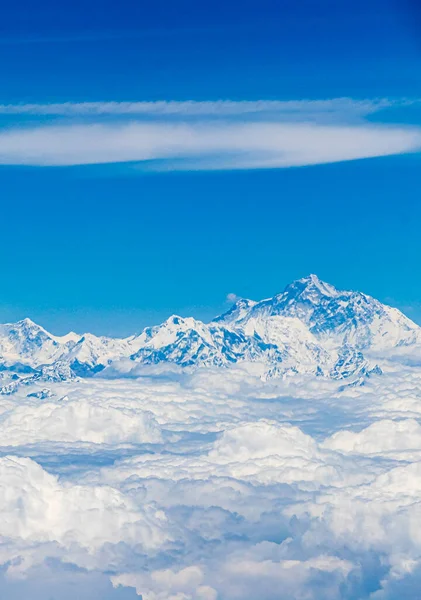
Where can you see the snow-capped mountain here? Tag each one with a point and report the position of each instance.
(30, 344)
(333, 317)
(188, 342)
(311, 327)
(92, 353)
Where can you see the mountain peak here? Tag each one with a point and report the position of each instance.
(27, 322)
(27, 327)
(305, 329)
(310, 288)
(240, 308)
(312, 279)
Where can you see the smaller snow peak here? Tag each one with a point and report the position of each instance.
(177, 322)
(70, 337)
(27, 329)
(237, 311)
(240, 306)
(27, 323)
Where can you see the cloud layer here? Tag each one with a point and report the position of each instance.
(202, 135)
(214, 486)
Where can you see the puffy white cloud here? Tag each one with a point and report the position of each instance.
(379, 517)
(256, 577)
(278, 490)
(43, 517)
(185, 584)
(262, 439)
(384, 438)
(246, 575)
(77, 421)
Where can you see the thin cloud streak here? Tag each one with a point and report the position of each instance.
(204, 145)
(193, 108)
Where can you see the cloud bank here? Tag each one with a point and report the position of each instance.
(212, 485)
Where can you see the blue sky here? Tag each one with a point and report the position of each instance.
(119, 212)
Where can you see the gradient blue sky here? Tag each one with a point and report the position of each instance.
(113, 247)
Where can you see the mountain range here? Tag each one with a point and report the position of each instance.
(310, 328)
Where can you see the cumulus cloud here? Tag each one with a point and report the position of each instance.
(243, 576)
(278, 490)
(186, 584)
(42, 517)
(77, 421)
(383, 437)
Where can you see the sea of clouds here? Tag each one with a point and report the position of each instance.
(168, 485)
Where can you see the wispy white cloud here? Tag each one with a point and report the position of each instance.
(206, 135)
(192, 107)
(203, 145)
(231, 297)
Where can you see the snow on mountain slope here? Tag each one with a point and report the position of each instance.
(26, 344)
(238, 310)
(291, 334)
(285, 346)
(30, 344)
(188, 342)
(92, 353)
(311, 328)
(334, 317)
